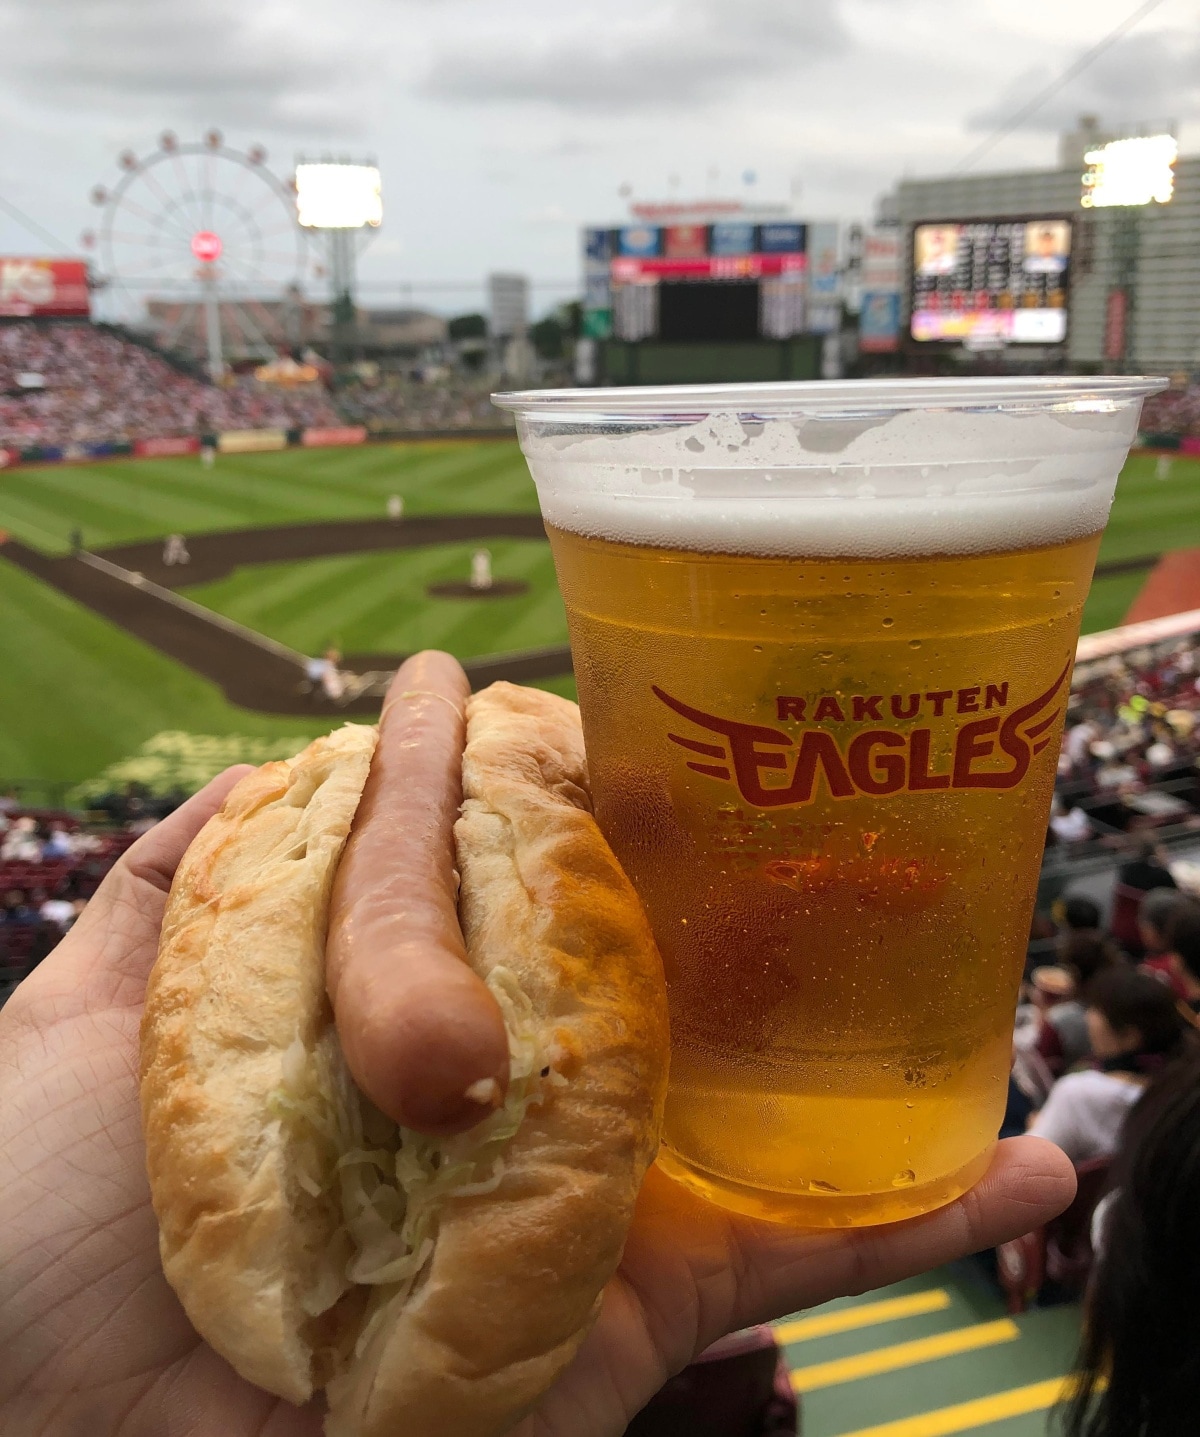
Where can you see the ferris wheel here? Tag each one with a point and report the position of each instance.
(201, 221)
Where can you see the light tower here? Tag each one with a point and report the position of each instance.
(344, 198)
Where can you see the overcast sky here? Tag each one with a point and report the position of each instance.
(502, 125)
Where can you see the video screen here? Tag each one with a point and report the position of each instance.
(991, 281)
(700, 310)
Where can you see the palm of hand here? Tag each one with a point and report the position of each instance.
(95, 1341)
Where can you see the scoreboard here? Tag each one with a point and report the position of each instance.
(734, 279)
(984, 282)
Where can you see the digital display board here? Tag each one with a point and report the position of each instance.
(1002, 281)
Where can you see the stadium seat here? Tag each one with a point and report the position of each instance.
(1127, 904)
(1054, 1260)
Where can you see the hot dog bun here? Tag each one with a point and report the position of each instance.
(247, 1104)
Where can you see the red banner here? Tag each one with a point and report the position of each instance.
(8, 457)
(321, 438)
(31, 287)
(165, 447)
(737, 266)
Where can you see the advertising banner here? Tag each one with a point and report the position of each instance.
(329, 438)
(31, 288)
(167, 446)
(9, 457)
(879, 321)
(640, 241)
(823, 275)
(881, 261)
(686, 241)
(597, 245)
(744, 266)
(732, 238)
(781, 238)
(251, 441)
(597, 290)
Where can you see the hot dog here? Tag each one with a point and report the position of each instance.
(432, 1286)
(422, 1035)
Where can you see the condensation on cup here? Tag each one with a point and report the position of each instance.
(823, 637)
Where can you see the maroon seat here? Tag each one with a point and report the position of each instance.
(1061, 1251)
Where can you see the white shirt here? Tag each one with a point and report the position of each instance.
(1084, 1113)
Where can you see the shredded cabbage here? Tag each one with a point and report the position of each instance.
(391, 1184)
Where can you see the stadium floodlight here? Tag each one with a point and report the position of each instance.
(1131, 172)
(331, 196)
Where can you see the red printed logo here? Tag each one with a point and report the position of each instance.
(771, 769)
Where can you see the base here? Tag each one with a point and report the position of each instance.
(825, 1211)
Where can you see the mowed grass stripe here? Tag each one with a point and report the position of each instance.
(123, 501)
(865, 1314)
(978, 1412)
(108, 692)
(904, 1354)
(116, 499)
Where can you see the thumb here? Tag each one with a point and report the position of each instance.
(105, 958)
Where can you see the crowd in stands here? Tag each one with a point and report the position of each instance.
(401, 402)
(1175, 411)
(52, 862)
(1133, 726)
(65, 384)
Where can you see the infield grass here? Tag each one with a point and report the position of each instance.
(77, 693)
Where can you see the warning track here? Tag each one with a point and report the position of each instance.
(130, 586)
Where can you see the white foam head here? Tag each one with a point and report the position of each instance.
(859, 478)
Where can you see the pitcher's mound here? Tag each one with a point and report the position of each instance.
(497, 589)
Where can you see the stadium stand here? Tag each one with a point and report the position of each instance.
(1175, 412)
(64, 384)
(397, 403)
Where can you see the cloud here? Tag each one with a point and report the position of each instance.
(254, 65)
(679, 53)
(1143, 79)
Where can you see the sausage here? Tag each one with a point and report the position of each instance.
(422, 1035)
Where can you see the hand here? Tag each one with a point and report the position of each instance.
(95, 1342)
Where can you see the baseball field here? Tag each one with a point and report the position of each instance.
(296, 550)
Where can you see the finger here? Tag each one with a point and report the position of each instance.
(117, 933)
(422, 1034)
(1029, 1182)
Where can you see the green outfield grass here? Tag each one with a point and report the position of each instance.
(79, 694)
(378, 602)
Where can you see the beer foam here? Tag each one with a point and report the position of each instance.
(911, 482)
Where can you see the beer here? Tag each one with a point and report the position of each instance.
(843, 929)
(823, 638)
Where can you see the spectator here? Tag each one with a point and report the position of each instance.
(59, 844)
(1140, 1361)
(59, 912)
(1084, 953)
(1078, 914)
(1183, 936)
(1069, 825)
(1154, 917)
(1060, 1027)
(1135, 1029)
(21, 843)
(15, 908)
(1146, 869)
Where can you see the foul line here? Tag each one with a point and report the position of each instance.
(904, 1354)
(867, 1314)
(188, 606)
